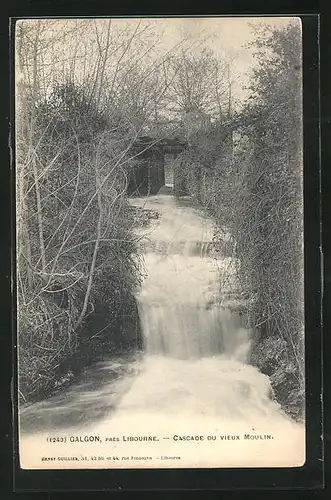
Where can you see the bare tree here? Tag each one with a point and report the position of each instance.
(200, 83)
(80, 109)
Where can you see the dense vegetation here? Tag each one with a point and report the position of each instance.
(85, 91)
(253, 189)
(79, 114)
(76, 266)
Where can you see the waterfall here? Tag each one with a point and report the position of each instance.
(193, 380)
(179, 300)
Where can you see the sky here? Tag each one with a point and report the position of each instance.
(228, 37)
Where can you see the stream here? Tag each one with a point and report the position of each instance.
(192, 399)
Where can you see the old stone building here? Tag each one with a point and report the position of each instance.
(154, 166)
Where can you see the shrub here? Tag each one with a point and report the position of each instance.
(76, 242)
(254, 193)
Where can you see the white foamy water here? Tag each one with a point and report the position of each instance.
(195, 401)
(179, 299)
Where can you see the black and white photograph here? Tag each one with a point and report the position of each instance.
(159, 242)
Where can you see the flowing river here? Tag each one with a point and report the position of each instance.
(191, 399)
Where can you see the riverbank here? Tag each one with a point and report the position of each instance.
(192, 378)
(190, 305)
(110, 328)
(89, 397)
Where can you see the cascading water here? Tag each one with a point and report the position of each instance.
(192, 400)
(179, 300)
